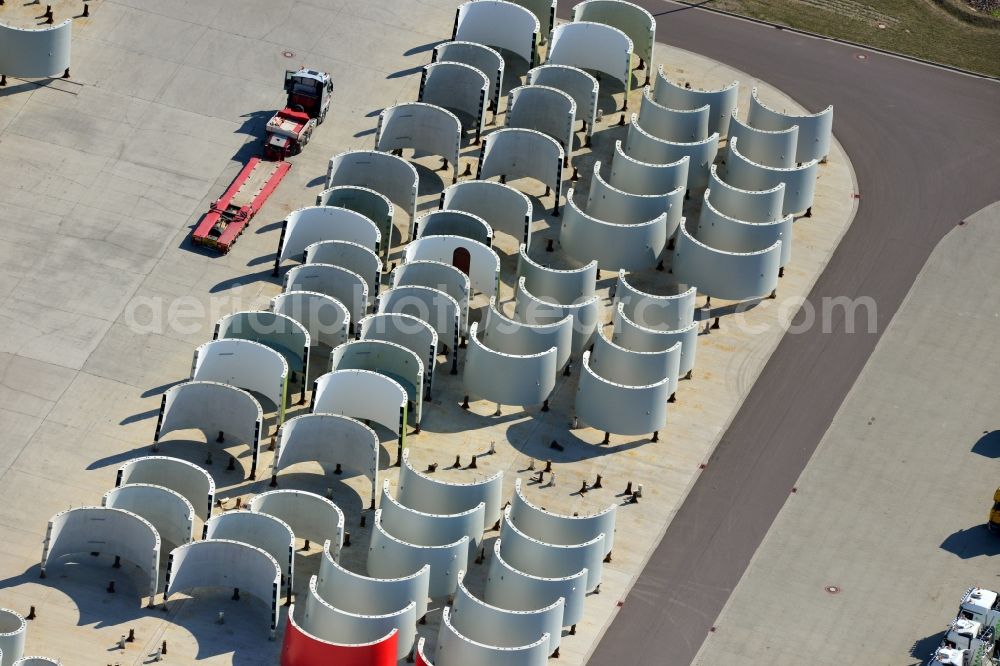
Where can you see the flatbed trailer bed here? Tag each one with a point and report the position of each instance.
(232, 212)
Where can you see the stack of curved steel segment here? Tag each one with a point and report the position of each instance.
(518, 152)
(368, 353)
(424, 536)
(629, 378)
(546, 296)
(646, 322)
(148, 521)
(500, 206)
(336, 443)
(513, 362)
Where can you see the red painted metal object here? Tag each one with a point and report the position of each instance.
(287, 133)
(302, 649)
(232, 212)
(422, 659)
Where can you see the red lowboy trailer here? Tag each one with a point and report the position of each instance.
(231, 214)
(307, 103)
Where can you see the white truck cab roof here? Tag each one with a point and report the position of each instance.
(977, 603)
(946, 656)
(311, 74)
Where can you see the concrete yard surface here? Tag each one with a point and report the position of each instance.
(868, 560)
(103, 301)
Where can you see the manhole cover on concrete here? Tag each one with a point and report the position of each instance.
(288, 54)
(832, 589)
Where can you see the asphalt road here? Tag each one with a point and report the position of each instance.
(923, 141)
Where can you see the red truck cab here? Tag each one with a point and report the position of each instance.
(309, 91)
